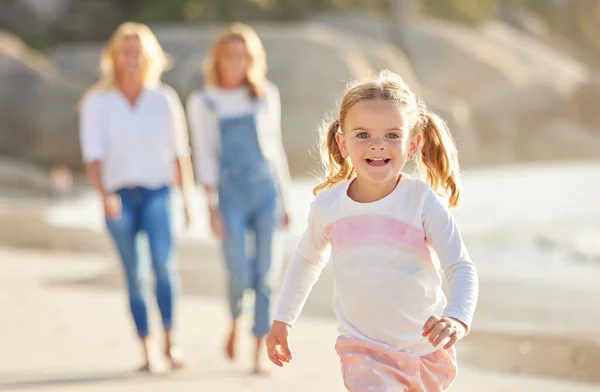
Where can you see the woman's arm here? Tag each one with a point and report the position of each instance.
(184, 174)
(205, 141)
(94, 148)
(94, 173)
(204, 134)
(282, 165)
(184, 178)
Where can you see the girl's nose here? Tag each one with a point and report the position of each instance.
(377, 144)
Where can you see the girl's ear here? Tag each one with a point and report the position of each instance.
(415, 143)
(341, 142)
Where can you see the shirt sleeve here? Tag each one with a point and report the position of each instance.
(304, 269)
(204, 133)
(178, 132)
(282, 165)
(92, 130)
(443, 234)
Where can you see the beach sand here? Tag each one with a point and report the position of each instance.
(533, 231)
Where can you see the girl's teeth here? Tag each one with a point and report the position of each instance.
(377, 161)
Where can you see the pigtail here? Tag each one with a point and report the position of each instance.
(439, 156)
(338, 168)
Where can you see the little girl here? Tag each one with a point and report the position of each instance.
(391, 238)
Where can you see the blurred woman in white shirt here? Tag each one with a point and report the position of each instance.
(135, 145)
(235, 123)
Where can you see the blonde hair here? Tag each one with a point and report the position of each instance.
(437, 152)
(256, 75)
(156, 60)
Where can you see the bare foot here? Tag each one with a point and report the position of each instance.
(258, 364)
(259, 370)
(175, 357)
(147, 367)
(149, 363)
(230, 347)
(172, 352)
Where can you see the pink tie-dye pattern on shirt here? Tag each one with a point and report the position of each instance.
(377, 231)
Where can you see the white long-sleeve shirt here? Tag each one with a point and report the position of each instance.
(388, 260)
(138, 144)
(204, 129)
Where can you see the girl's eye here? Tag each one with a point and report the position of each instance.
(362, 135)
(393, 135)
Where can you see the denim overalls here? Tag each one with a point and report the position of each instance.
(248, 201)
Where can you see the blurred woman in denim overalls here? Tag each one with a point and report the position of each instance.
(236, 133)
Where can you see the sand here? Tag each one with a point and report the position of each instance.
(532, 230)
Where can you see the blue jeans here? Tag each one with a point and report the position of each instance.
(146, 210)
(250, 202)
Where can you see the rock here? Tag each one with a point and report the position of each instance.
(449, 59)
(38, 118)
(584, 104)
(48, 11)
(524, 20)
(504, 115)
(457, 115)
(537, 60)
(560, 139)
(33, 16)
(81, 61)
(23, 175)
(474, 62)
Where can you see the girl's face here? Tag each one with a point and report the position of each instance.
(375, 136)
(129, 57)
(233, 63)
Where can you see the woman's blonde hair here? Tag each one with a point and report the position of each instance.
(437, 152)
(156, 60)
(256, 75)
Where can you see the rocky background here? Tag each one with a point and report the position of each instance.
(512, 86)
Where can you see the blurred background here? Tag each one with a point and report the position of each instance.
(517, 81)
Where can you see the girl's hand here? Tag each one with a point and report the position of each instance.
(440, 328)
(277, 342)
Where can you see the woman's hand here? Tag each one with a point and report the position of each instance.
(278, 347)
(112, 205)
(286, 219)
(188, 214)
(216, 223)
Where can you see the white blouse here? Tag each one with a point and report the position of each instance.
(137, 145)
(204, 130)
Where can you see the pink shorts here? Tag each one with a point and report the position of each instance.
(369, 367)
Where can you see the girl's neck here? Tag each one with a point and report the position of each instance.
(364, 191)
